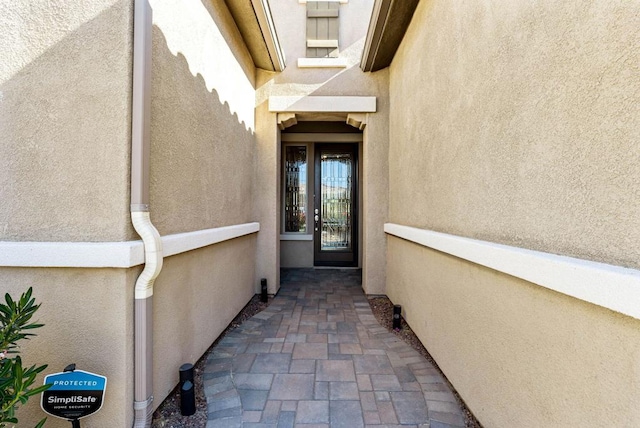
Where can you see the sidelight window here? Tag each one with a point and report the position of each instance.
(295, 189)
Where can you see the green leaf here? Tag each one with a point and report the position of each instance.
(39, 389)
(17, 368)
(5, 310)
(32, 326)
(5, 368)
(41, 423)
(27, 295)
(9, 301)
(41, 368)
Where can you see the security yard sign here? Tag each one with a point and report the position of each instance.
(73, 394)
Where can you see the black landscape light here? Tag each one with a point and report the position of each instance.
(187, 390)
(264, 297)
(397, 310)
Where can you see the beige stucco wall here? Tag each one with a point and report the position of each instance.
(375, 188)
(65, 83)
(267, 192)
(517, 353)
(202, 118)
(196, 296)
(88, 320)
(290, 21)
(525, 129)
(202, 171)
(519, 123)
(88, 317)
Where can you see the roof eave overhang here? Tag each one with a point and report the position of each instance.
(389, 22)
(255, 22)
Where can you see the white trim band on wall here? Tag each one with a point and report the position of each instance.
(609, 286)
(112, 254)
(322, 104)
(323, 63)
(333, 1)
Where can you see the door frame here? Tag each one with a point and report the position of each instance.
(298, 248)
(336, 258)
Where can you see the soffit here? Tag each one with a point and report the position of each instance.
(253, 18)
(389, 23)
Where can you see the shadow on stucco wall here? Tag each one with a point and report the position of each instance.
(65, 121)
(65, 107)
(202, 171)
(65, 126)
(201, 154)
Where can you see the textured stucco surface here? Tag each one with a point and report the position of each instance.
(290, 21)
(375, 189)
(202, 172)
(525, 127)
(65, 82)
(64, 166)
(202, 119)
(195, 297)
(518, 354)
(518, 123)
(266, 179)
(88, 317)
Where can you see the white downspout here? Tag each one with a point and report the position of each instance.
(140, 148)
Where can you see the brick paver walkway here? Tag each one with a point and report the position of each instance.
(317, 357)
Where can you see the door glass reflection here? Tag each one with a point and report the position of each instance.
(336, 201)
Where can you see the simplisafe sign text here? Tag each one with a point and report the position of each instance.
(73, 394)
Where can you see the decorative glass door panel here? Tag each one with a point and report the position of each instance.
(335, 219)
(335, 198)
(295, 189)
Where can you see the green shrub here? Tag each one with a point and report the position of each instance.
(15, 380)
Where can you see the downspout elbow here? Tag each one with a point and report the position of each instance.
(152, 253)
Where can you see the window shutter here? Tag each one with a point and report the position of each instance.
(322, 29)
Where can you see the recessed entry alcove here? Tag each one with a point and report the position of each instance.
(321, 186)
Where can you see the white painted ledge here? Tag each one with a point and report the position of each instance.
(323, 63)
(183, 242)
(112, 254)
(317, 43)
(333, 1)
(72, 254)
(322, 104)
(605, 285)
